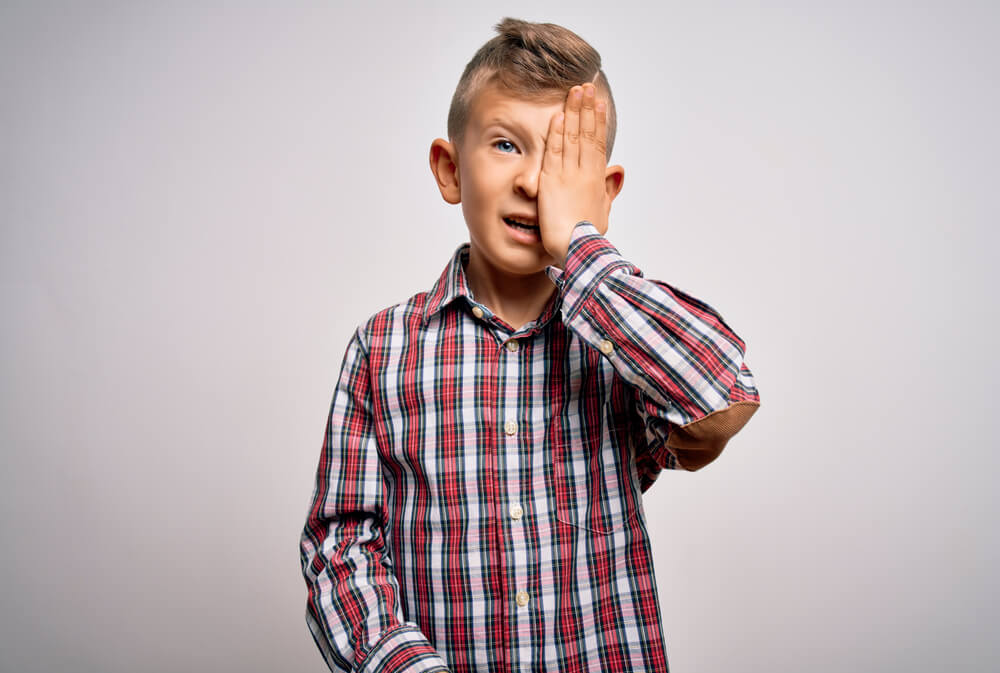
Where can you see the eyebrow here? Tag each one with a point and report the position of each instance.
(515, 127)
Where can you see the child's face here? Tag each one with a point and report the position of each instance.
(498, 164)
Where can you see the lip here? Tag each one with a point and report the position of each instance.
(520, 235)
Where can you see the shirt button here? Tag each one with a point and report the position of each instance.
(510, 427)
(607, 347)
(512, 346)
(476, 311)
(516, 512)
(522, 598)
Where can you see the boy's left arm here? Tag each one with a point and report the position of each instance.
(693, 388)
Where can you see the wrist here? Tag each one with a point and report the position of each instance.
(558, 246)
(559, 250)
(559, 255)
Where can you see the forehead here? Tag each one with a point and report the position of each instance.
(495, 105)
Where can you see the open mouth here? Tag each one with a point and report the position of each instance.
(522, 224)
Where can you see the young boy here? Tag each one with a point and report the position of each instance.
(478, 499)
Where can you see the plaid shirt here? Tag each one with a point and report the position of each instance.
(478, 498)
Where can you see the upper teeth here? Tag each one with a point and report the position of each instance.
(527, 224)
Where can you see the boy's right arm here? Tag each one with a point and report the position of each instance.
(354, 609)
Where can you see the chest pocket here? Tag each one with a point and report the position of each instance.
(596, 484)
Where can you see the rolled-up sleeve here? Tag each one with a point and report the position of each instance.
(692, 387)
(353, 608)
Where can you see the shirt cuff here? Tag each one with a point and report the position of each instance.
(402, 650)
(589, 259)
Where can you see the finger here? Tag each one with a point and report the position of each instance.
(553, 157)
(571, 135)
(587, 119)
(599, 155)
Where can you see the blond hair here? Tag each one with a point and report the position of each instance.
(537, 61)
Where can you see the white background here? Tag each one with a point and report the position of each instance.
(200, 201)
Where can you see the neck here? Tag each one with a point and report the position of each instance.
(516, 299)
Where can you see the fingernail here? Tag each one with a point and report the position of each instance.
(601, 106)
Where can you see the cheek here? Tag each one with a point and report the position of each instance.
(474, 206)
(478, 192)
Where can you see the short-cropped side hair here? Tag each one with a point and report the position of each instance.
(536, 61)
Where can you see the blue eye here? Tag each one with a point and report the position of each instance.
(504, 146)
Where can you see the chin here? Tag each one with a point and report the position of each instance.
(512, 258)
(525, 262)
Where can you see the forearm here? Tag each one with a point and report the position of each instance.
(684, 361)
(354, 609)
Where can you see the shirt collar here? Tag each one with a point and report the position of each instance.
(450, 285)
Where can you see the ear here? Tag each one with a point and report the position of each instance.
(444, 166)
(614, 179)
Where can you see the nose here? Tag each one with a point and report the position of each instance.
(526, 180)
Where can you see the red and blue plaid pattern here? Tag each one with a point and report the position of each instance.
(478, 498)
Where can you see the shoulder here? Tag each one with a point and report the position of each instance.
(393, 322)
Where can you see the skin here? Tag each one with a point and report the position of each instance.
(541, 161)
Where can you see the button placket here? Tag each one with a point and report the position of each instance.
(516, 431)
